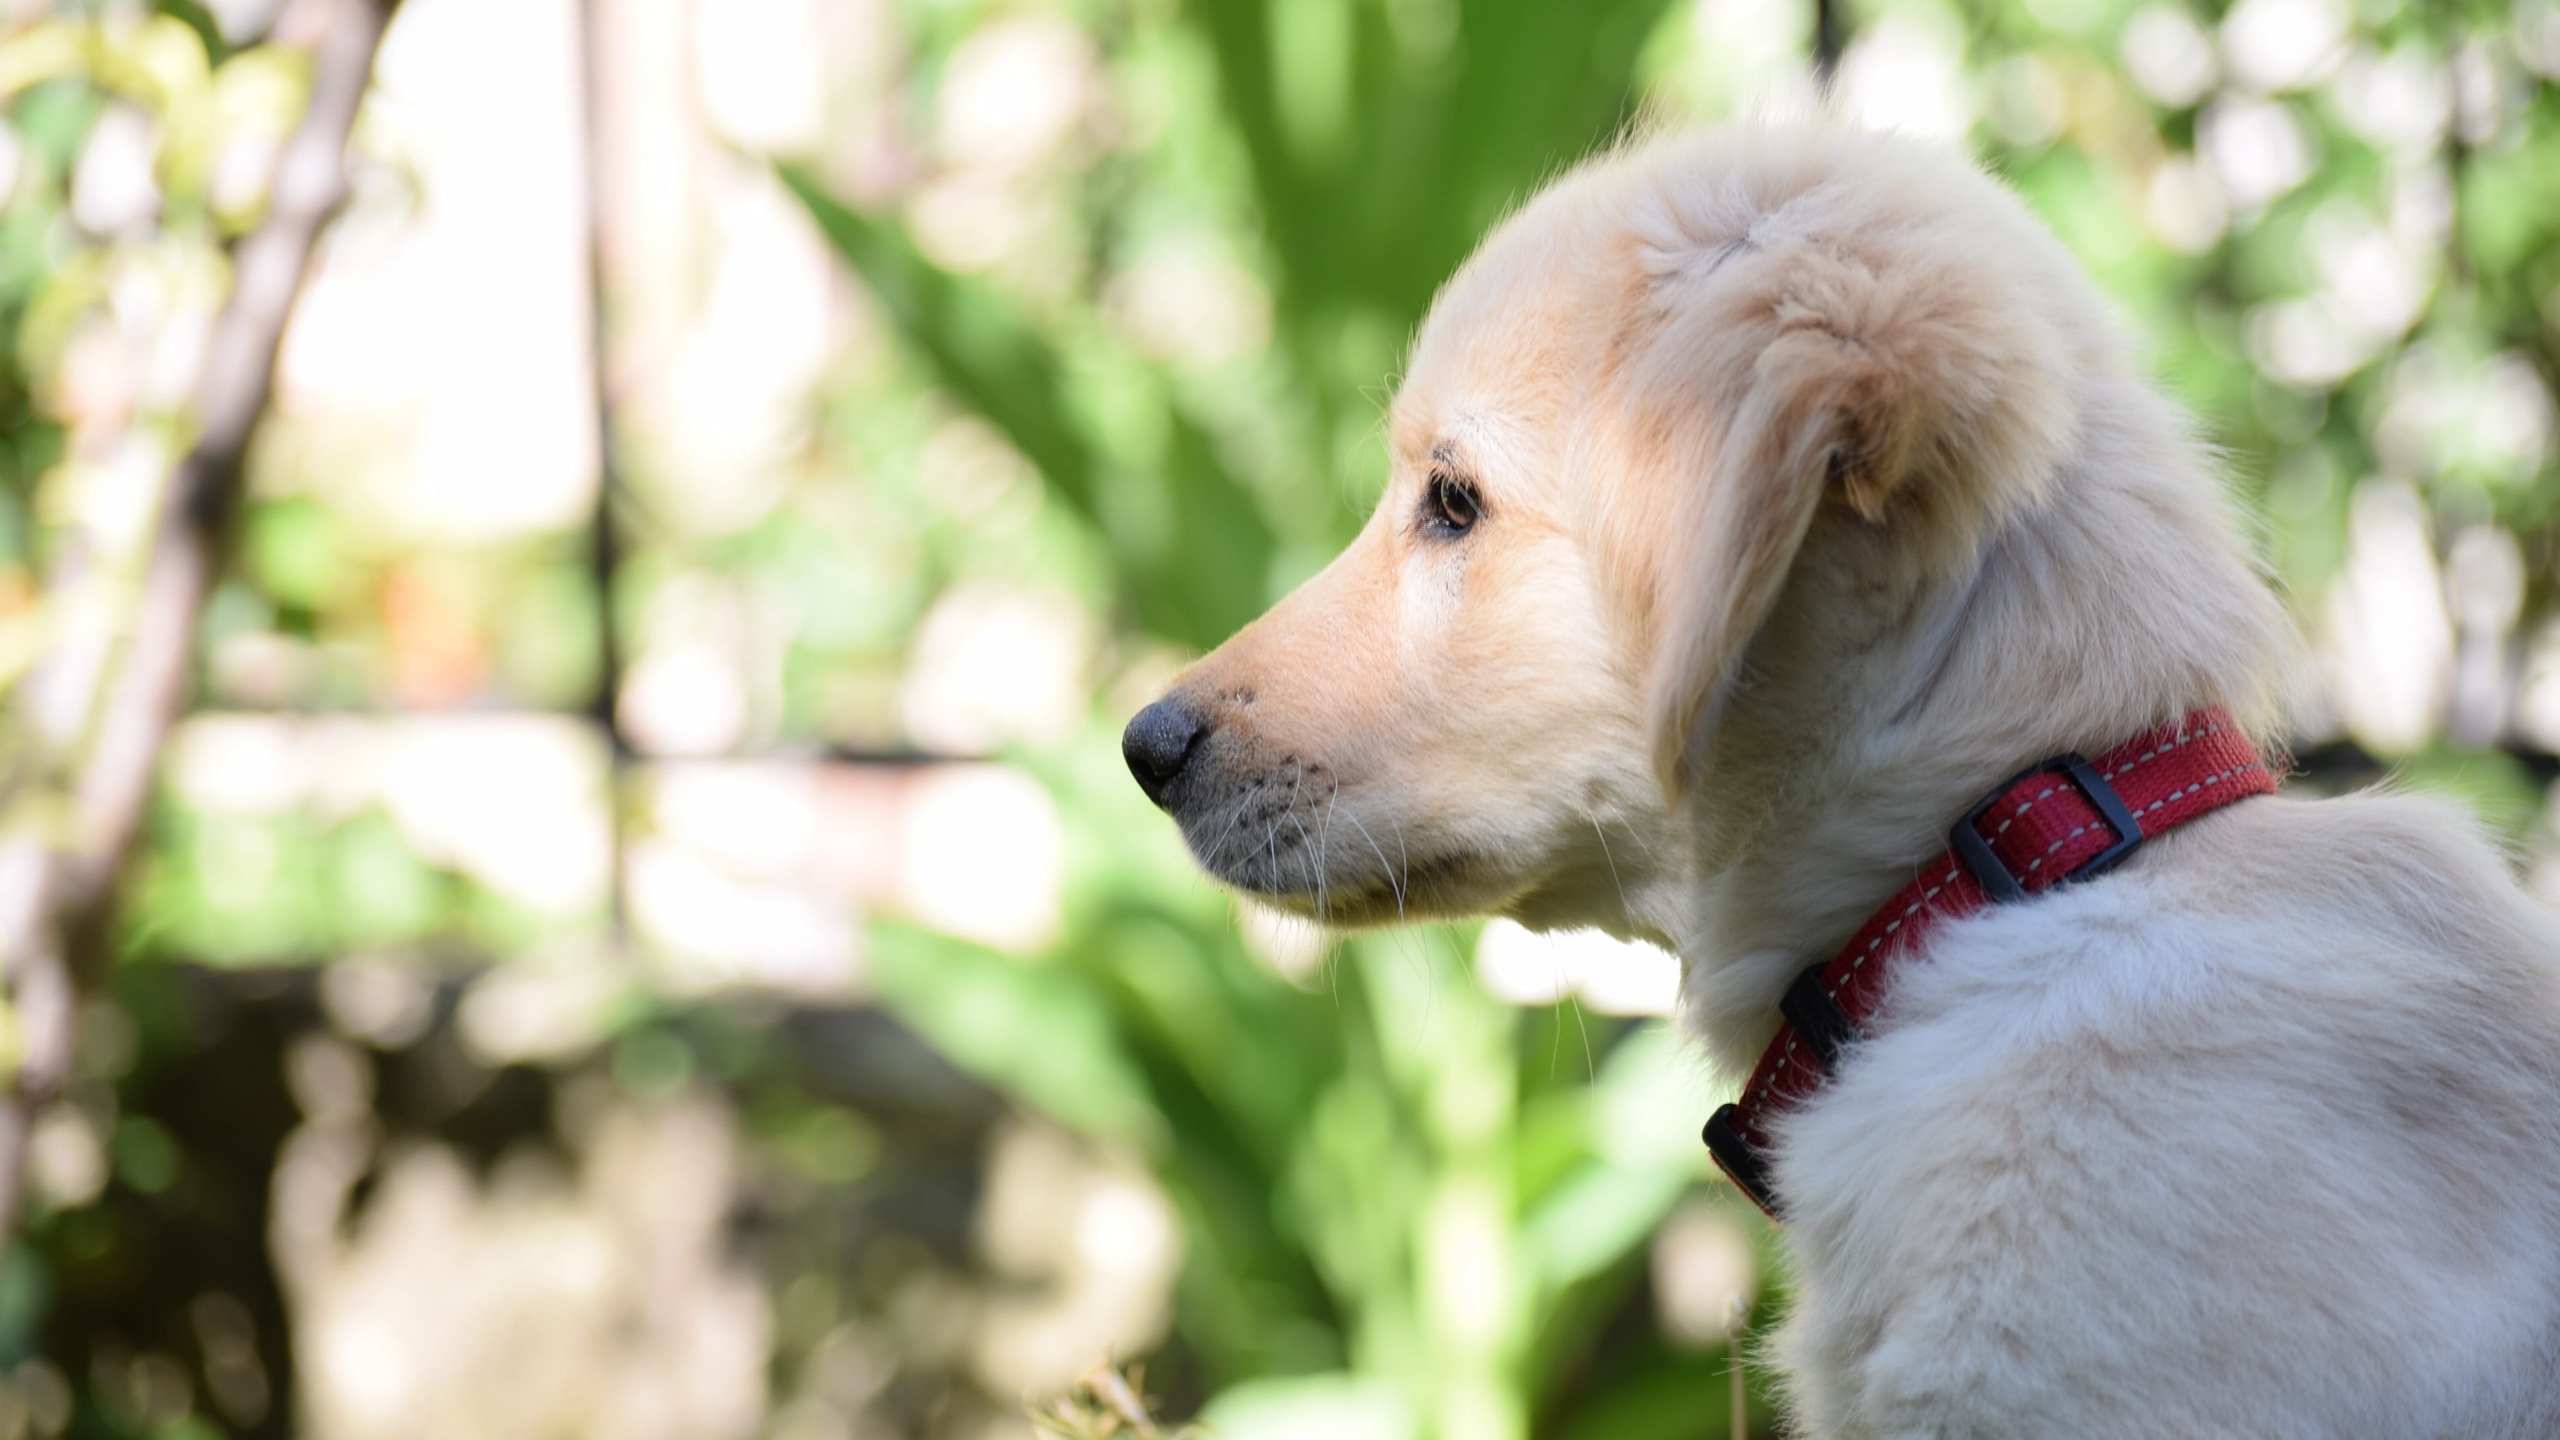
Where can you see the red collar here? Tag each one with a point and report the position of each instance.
(2055, 823)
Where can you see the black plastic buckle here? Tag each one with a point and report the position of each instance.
(1994, 878)
(1822, 1026)
(1740, 1163)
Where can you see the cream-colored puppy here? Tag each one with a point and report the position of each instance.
(1761, 499)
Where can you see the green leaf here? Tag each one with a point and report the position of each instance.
(1194, 577)
(979, 346)
(1338, 1407)
(1036, 1032)
(1595, 1218)
(195, 17)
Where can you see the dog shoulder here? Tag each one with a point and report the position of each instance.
(2289, 1077)
(2286, 942)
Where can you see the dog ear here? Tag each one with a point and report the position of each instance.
(1898, 384)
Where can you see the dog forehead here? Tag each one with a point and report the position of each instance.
(1527, 282)
(1497, 358)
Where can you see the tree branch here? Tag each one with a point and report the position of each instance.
(61, 877)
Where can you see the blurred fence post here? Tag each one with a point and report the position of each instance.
(604, 543)
(1830, 36)
(91, 717)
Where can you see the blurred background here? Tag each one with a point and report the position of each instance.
(567, 872)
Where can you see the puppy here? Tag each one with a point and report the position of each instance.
(1759, 501)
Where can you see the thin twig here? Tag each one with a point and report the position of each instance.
(1737, 1321)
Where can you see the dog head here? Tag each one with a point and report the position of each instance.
(1629, 424)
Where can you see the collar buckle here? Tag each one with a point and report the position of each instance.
(2001, 886)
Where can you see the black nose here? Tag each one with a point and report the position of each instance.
(1159, 742)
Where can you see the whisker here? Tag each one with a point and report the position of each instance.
(1271, 848)
(1311, 863)
(1218, 851)
(1394, 881)
(1603, 833)
(1324, 832)
(1290, 812)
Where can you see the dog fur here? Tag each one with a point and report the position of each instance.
(1818, 492)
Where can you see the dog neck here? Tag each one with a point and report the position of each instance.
(1912, 664)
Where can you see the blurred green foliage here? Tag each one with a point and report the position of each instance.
(1392, 1180)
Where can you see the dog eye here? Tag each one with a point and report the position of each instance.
(1449, 506)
